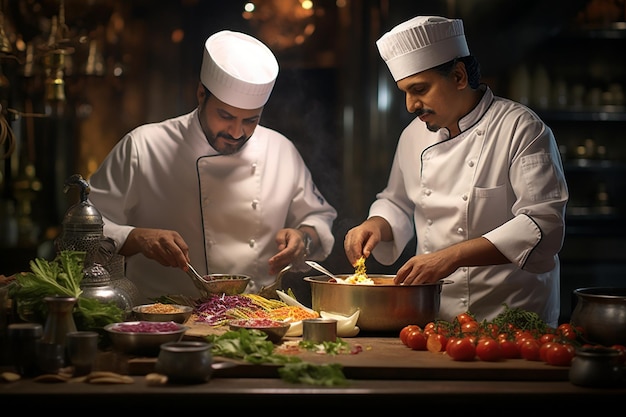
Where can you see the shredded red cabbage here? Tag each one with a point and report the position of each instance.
(214, 310)
(147, 327)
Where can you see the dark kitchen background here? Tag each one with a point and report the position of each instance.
(76, 75)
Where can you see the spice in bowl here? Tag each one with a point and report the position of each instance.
(162, 312)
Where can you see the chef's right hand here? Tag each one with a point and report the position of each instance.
(362, 239)
(167, 247)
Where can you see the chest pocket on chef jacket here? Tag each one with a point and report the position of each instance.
(488, 209)
(540, 177)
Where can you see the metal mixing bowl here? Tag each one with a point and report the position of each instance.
(274, 331)
(146, 342)
(179, 313)
(229, 284)
(601, 312)
(384, 306)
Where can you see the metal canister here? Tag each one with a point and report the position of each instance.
(23, 338)
(319, 330)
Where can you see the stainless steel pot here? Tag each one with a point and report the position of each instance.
(384, 307)
(601, 312)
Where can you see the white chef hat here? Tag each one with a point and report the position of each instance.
(238, 69)
(422, 43)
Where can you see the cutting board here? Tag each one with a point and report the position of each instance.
(382, 358)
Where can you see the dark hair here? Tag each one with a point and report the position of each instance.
(207, 94)
(472, 66)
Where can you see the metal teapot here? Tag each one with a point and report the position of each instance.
(83, 231)
(82, 224)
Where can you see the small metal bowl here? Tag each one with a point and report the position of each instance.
(275, 330)
(178, 314)
(143, 337)
(185, 362)
(228, 284)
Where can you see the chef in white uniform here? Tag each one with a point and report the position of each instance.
(477, 178)
(213, 187)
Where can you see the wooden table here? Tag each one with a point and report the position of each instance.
(384, 373)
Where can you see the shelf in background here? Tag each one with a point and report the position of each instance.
(613, 30)
(608, 113)
(583, 164)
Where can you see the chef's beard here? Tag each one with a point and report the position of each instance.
(224, 146)
(429, 126)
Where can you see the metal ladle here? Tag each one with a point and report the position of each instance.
(325, 271)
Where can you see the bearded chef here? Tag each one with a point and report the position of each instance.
(213, 187)
(477, 178)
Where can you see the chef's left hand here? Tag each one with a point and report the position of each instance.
(424, 269)
(291, 249)
(434, 266)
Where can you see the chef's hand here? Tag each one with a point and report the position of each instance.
(167, 247)
(424, 269)
(362, 239)
(292, 248)
(434, 266)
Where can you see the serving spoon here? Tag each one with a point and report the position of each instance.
(325, 271)
(269, 291)
(191, 271)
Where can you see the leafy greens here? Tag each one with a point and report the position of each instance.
(60, 277)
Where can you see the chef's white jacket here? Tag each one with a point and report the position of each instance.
(228, 208)
(501, 178)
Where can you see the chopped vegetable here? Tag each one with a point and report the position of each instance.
(147, 327)
(250, 345)
(337, 347)
(219, 309)
(307, 373)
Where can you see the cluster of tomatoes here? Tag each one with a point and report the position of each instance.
(466, 339)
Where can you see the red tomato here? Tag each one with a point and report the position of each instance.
(529, 350)
(492, 330)
(470, 327)
(559, 354)
(465, 317)
(436, 343)
(567, 331)
(622, 353)
(547, 337)
(523, 336)
(543, 348)
(416, 340)
(488, 349)
(461, 349)
(430, 328)
(450, 342)
(509, 349)
(406, 330)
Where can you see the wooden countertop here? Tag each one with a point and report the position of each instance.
(388, 358)
(385, 372)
